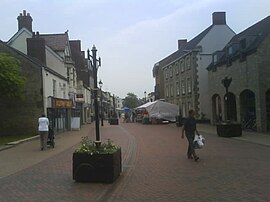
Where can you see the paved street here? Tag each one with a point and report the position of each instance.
(155, 168)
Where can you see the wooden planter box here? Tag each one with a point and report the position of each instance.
(97, 167)
(114, 121)
(229, 130)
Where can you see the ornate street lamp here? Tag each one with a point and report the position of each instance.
(226, 83)
(145, 96)
(95, 69)
(101, 100)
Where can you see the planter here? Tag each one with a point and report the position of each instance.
(114, 121)
(229, 130)
(97, 167)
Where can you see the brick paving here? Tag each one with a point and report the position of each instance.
(155, 168)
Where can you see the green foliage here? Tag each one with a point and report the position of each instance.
(90, 147)
(11, 81)
(131, 101)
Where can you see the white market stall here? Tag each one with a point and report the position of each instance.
(161, 110)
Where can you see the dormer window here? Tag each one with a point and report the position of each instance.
(230, 50)
(215, 58)
(243, 44)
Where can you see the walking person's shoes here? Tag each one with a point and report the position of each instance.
(189, 157)
(196, 158)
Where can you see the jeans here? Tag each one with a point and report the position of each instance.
(191, 150)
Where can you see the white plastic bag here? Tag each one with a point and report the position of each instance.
(198, 142)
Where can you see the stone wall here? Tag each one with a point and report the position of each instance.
(19, 117)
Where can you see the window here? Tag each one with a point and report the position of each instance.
(166, 74)
(243, 44)
(184, 114)
(167, 91)
(183, 87)
(182, 66)
(171, 71)
(215, 59)
(189, 86)
(177, 88)
(64, 90)
(171, 90)
(54, 88)
(230, 50)
(188, 62)
(189, 105)
(176, 68)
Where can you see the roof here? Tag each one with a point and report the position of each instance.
(57, 42)
(32, 60)
(252, 37)
(187, 47)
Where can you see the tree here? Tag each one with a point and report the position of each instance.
(11, 81)
(131, 101)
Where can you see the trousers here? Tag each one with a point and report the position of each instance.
(43, 139)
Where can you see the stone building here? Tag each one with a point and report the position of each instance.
(19, 116)
(243, 66)
(59, 76)
(181, 78)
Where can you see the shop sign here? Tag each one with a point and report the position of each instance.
(62, 103)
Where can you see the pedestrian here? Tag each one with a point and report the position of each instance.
(189, 129)
(43, 128)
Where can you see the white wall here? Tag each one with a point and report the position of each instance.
(215, 40)
(18, 41)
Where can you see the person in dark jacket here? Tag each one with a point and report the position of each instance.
(189, 129)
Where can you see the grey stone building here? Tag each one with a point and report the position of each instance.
(19, 116)
(181, 78)
(244, 65)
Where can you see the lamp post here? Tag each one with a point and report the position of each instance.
(95, 68)
(101, 100)
(145, 96)
(226, 83)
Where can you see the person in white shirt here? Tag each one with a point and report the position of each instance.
(43, 128)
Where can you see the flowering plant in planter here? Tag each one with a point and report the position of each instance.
(89, 147)
(96, 163)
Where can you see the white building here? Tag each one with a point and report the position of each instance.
(185, 78)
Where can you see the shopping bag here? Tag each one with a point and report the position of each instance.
(199, 142)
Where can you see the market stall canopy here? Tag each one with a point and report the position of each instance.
(125, 108)
(161, 110)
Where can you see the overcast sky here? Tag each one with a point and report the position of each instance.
(130, 35)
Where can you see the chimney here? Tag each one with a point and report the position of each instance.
(25, 20)
(219, 18)
(181, 43)
(36, 48)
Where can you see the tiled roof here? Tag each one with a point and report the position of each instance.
(57, 42)
(253, 37)
(183, 50)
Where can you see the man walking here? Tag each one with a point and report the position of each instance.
(43, 128)
(189, 129)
